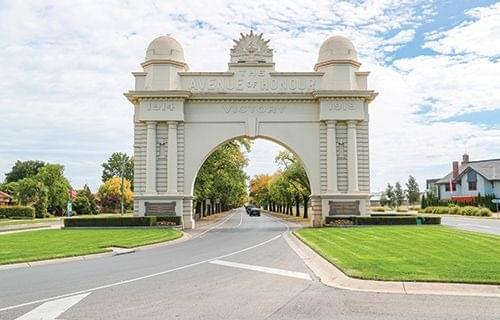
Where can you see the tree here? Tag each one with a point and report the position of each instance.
(412, 190)
(24, 169)
(398, 194)
(117, 162)
(389, 193)
(259, 190)
(383, 199)
(85, 202)
(31, 192)
(295, 174)
(222, 178)
(52, 176)
(110, 194)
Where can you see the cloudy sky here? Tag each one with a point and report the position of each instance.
(65, 65)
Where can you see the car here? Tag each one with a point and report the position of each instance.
(254, 212)
(249, 207)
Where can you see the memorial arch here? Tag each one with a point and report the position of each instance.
(181, 116)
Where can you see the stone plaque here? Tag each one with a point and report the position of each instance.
(343, 208)
(160, 208)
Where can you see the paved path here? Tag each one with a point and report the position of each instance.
(473, 224)
(238, 268)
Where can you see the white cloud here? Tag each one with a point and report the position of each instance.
(478, 35)
(65, 66)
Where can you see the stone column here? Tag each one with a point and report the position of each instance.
(151, 158)
(317, 214)
(172, 157)
(352, 157)
(331, 156)
(187, 213)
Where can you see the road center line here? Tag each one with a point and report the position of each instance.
(140, 278)
(280, 272)
(213, 227)
(53, 309)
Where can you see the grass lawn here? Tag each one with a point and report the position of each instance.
(423, 253)
(49, 244)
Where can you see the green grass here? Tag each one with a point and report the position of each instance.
(50, 244)
(424, 253)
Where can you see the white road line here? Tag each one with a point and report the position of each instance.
(52, 309)
(216, 226)
(140, 278)
(280, 272)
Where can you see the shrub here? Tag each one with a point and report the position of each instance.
(401, 210)
(485, 212)
(21, 212)
(366, 220)
(110, 222)
(339, 221)
(469, 211)
(454, 210)
(164, 220)
(378, 209)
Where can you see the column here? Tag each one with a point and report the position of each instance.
(317, 214)
(151, 158)
(172, 157)
(331, 156)
(352, 157)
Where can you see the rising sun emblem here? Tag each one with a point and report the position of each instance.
(251, 48)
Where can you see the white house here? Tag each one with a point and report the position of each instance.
(469, 179)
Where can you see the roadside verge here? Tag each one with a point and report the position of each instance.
(334, 277)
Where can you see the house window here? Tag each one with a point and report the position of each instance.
(453, 186)
(472, 180)
(472, 185)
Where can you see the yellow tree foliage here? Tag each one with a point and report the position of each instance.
(110, 192)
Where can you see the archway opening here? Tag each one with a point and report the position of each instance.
(261, 172)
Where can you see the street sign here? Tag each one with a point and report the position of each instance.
(69, 208)
(495, 200)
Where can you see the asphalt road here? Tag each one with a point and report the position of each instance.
(240, 268)
(473, 224)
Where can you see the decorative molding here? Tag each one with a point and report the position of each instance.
(251, 48)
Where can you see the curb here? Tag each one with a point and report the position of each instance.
(331, 276)
(112, 251)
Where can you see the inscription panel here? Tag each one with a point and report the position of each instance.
(342, 109)
(160, 208)
(250, 80)
(161, 109)
(343, 208)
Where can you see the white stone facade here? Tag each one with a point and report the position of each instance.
(181, 117)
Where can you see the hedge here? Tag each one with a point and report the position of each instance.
(382, 220)
(456, 210)
(392, 215)
(110, 222)
(19, 212)
(377, 209)
(165, 220)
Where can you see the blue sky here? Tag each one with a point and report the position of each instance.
(66, 64)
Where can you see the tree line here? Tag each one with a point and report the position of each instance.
(284, 191)
(44, 187)
(394, 196)
(221, 181)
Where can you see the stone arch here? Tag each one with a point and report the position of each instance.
(321, 116)
(190, 190)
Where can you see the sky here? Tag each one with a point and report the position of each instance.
(65, 65)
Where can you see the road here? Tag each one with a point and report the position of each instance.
(239, 268)
(473, 224)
